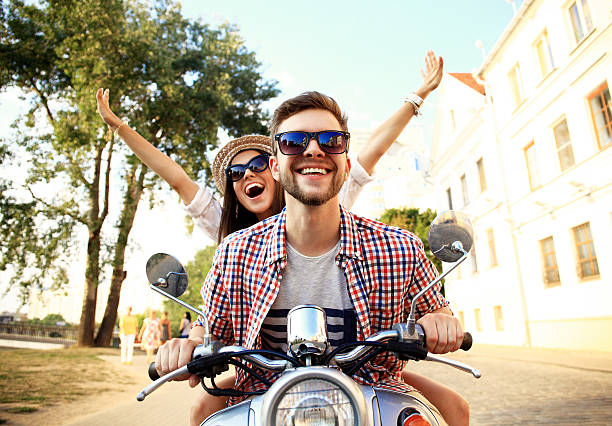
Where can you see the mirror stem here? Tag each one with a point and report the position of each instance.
(456, 247)
(206, 341)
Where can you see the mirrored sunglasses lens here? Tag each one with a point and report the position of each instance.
(292, 143)
(259, 163)
(332, 142)
(236, 172)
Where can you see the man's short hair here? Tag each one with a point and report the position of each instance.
(305, 101)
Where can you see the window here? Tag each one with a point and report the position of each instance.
(549, 263)
(543, 54)
(580, 17)
(601, 111)
(481, 175)
(477, 319)
(461, 318)
(492, 253)
(474, 260)
(464, 188)
(499, 318)
(449, 197)
(564, 145)
(516, 85)
(587, 260)
(532, 166)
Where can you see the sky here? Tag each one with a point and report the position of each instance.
(365, 54)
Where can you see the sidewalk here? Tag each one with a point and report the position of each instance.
(167, 405)
(583, 360)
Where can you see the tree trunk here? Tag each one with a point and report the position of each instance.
(88, 313)
(92, 272)
(130, 205)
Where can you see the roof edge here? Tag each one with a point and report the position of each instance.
(505, 35)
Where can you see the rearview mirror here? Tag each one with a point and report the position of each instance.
(446, 231)
(167, 274)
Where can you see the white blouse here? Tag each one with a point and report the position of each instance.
(206, 210)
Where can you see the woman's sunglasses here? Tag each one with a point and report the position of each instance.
(330, 141)
(257, 164)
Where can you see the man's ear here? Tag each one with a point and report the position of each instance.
(348, 168)
(273, 164)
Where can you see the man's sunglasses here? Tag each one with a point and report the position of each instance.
(330, 141)
(257, 164)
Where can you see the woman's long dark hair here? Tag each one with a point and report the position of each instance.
(235, 216)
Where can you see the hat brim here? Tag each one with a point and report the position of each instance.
(229, 151)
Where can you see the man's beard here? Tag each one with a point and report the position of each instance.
(289, 184)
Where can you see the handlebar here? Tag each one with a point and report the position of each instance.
(280, 365)
(213, 359)
(466, 345)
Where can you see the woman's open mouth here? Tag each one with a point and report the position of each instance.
(254, 190)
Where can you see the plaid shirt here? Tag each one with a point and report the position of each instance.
(384, 266)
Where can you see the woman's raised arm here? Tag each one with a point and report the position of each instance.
(156, 160)
(387, 133)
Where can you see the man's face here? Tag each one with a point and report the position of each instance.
(313, 177)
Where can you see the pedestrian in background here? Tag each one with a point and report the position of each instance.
(128, 327)
(185, 326)
(165, 324)
(150, 335)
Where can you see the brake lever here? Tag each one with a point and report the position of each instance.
(157, 383)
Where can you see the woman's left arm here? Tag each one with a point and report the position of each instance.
(387, 133)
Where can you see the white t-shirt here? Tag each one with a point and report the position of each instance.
(311, 281)
(206, 210)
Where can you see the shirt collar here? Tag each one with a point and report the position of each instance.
(349, 238)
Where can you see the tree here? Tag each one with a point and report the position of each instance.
(416, 222)
(177, 81)
(196, 269)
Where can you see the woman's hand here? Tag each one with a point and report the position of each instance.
(434, 69)
(104, 110)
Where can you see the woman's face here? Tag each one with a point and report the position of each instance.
(255, 191)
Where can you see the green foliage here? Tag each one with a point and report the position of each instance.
(197, 269)
(175, 80)
(53, 318)
(416, 222)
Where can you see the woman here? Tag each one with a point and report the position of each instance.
(250, 194)
(165, 326)
(150, 335)
(185, 325)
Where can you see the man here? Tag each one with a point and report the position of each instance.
(128, 326)
(316, 252)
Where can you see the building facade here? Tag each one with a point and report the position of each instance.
(528, 158)
(399, 179)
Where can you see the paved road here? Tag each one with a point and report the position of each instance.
(519, 386)
(532, 386)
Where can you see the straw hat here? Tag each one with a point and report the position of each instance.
(233, 147)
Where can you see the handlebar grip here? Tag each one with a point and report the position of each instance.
(467, 341)
(153, 372)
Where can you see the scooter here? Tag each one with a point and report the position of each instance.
(315, 385)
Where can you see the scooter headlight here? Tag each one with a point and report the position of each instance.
(315, 402)
(314, 396)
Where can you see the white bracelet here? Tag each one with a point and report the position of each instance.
(416, 101)
(117, 128)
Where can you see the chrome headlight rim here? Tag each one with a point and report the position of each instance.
(290, 378)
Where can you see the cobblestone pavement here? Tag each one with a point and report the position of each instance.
(519, 386)
(531, 386)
